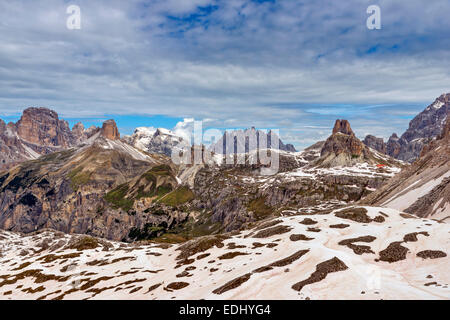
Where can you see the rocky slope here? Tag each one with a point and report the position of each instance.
(425, 127)
(107, 188)
(423, 188)
(350, 253)
(343, 149)
(38, 132)
(84, 189)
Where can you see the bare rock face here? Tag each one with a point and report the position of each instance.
(343, 126)
(342, 148)
(406, 190)
(375, 143)
(109, 130)
(38, 132)
(425, 127)
(42, 126)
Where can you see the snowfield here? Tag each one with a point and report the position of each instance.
(348, 253)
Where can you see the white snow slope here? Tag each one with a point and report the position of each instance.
(298, 256)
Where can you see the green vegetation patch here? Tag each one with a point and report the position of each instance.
(78, 177)
(178, 197)
(117, 198)
(148, 232)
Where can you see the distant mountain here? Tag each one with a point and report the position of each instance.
(426, 126)
(344, 149)
(38, 132)
(423, 188)
(154, 140)
(102, 187)
(245, 141)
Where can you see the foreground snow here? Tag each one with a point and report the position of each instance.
(268, 262)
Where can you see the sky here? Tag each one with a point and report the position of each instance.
(291, 65)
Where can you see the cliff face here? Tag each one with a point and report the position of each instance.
(109, 130)
(344, 149)
(38, 132)
(426, 126)
(423, 188)
(375, 143)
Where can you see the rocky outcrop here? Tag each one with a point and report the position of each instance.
(423, 188)
(38, 132)
(425, 127)
(109, 130)
(104, 188)
(375, 143)
(343, 148)
(343, 126)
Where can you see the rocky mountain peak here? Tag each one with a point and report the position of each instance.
(109, 130)
(42, 126)
(343, 126)
(375, 143)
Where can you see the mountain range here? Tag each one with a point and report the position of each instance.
(132, 223)
(425, 127)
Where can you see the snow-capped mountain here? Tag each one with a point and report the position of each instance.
(156, 140)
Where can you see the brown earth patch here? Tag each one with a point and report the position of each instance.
(83, 243)
(232, 245)
(394, 252)
(412, 237)
(358, 249)
(177, 285)
(268, 224)
(339, 226)
(272, 231)
(202, 256)
(200, 245)
(231, 255)
(31, 290)
(298, 237)
(308, 221)
(154, 287)
(322, 270)
(354, 214)
(52, 257)
(233, 284)
(313, 229)
(431, 254)
(289, 260)
(407, 216)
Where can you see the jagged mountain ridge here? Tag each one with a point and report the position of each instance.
(425, 127)
(68, 190)
(38, 132)
(343, 149)
(423, 188)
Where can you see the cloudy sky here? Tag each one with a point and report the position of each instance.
(294, 65)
